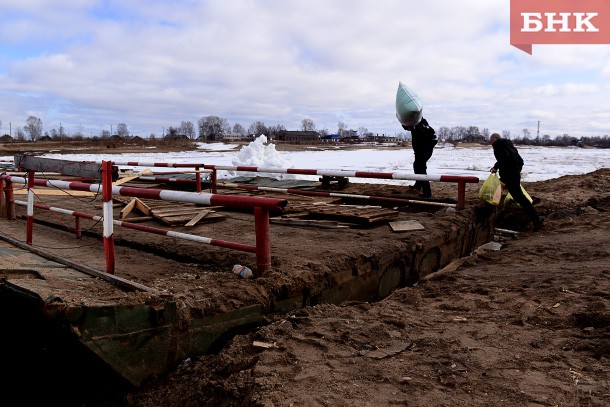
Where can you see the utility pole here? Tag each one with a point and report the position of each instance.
(538, 132)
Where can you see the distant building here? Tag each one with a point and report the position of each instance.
(298, 136)
(6, 139)
(330, 138)
(175, 137)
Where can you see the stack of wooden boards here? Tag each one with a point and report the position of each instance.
(170, 213)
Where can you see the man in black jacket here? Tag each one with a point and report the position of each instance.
(510, 163)
(423, 140)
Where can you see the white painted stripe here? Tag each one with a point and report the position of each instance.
(186, 236)
(337, 173)
(108, 224)
(273, 170)
(202, 198)
(30, 207)
(337, 194)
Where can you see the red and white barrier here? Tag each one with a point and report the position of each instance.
(108, 215)
(261, 206)
(203, 198)
(149, 229)
(298, 191)
(461, 180)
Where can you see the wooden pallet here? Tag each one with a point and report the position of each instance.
(360, 214)
(172, 213)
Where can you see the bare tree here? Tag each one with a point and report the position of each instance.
(526, 133)
(187, 129)
(363, 132)
(341, 127)
(122, 130)
(211, 126)
(444, 133)
(239, 129)
(275, 130)
(33, 127)
(506, 134)
(20, 134)
(308, 125)
(485, 133)
(258, 128)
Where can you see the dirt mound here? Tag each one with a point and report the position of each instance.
(528, 324)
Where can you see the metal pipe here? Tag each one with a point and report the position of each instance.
(149, 229)
(271, 204)
(297, 191)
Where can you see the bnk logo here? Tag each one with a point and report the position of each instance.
(559, 22)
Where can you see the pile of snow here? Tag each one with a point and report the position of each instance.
(259, 153)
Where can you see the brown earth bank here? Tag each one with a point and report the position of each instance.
(526, 325)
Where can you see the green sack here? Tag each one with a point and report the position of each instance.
(491, 191)
(408, 106)
(509, 201)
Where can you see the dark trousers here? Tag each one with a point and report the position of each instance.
(422, 155)
(512, 180)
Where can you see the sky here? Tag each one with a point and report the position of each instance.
(89, 65)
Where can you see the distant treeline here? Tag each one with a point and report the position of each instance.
(565, 141)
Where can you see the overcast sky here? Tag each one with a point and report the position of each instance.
(90, 64)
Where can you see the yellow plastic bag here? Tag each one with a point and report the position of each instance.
(491, 191)
(509, 201)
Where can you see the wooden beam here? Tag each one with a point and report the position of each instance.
(197, 218)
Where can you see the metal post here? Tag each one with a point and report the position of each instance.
(198, 179)
(2, 205)
(461, 195)
(30, 208)
(10, 202)
(263, 241)
(214, 181)
(108, 224)
(77, 226)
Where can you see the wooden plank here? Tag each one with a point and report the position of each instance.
(131, 177)
(175, 211)
(406, 226)
(139, 218)
(323, 224)
(145, 209)
(197, 218)
(128, 208)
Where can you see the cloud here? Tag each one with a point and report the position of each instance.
(153, 64)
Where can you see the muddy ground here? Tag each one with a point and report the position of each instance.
(526, 325)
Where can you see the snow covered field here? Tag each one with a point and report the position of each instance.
(541, 163)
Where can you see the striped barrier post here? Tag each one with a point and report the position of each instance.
(2, 205)
(297, 191)
(203, 198)
(150, 229)
(108, 215)
(265, 205)
(30, 208)
(461, 180)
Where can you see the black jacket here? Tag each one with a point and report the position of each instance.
(507, 156)
(422, 135)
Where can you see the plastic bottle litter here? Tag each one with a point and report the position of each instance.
(242, 271)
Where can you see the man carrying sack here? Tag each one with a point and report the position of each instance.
(510, 163)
